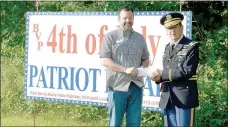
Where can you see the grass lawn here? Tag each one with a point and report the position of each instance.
(41, 120)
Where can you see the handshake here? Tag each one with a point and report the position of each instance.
(156, 75)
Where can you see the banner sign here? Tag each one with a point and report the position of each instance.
(62, 61)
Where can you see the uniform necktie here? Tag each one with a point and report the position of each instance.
(172, 46)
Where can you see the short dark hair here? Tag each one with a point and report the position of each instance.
(126, 8)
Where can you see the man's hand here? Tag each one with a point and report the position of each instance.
(156, 75)
(155, 78)
(132, 71)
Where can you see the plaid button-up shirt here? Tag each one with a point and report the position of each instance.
(126, 49)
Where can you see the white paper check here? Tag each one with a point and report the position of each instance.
(145, 71)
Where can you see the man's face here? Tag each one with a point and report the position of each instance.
(175, 32)
(126, 20)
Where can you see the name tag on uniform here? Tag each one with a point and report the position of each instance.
(182, 53)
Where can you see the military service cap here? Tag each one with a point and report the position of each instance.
(171, 19)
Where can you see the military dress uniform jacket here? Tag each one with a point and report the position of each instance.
(179, 75)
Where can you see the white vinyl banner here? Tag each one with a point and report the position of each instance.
(62, 61)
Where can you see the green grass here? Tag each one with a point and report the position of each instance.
(49, 114)
(43, 120)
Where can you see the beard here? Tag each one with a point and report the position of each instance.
(128, 25)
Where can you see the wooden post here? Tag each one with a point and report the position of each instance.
(36, 3)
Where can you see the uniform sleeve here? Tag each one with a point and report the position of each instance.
(188, 69)
(106, 48)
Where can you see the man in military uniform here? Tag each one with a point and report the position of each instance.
(179, 96)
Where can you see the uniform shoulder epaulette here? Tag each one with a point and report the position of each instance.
(193, 43)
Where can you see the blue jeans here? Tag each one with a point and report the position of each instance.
(130, 102)
(178, 117)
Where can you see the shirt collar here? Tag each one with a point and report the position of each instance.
(176, 42)
(122, 32)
